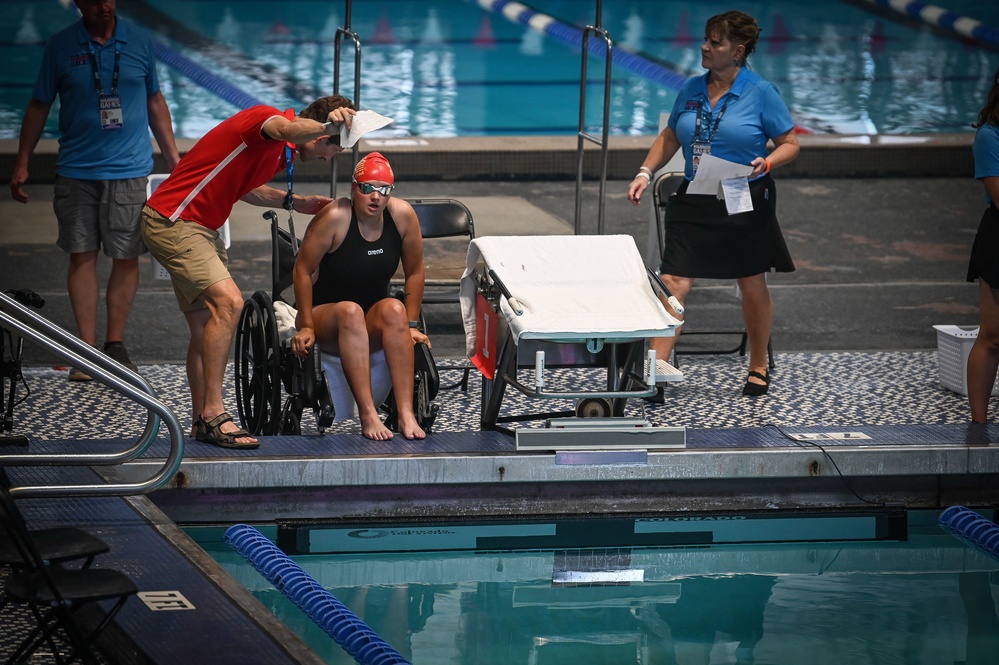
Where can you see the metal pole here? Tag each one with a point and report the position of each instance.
(582, 135)
(340, 33)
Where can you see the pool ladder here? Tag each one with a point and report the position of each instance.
(22, 323)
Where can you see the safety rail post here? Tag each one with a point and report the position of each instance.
(340, 33)
(582, 135)
(18, 319)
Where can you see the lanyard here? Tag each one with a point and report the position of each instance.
(97, 72)
(289, 159)
(714, 130)
(289, 203)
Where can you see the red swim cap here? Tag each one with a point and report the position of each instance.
(374, 167)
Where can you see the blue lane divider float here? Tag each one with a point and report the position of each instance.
(573, 36)
(203, 77)
(335, 618)
(943, 18)
(972, 529)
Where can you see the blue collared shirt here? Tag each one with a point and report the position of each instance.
(986, 152)
(754, 113)
(86, 151)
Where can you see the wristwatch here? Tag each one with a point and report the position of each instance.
(414, 324)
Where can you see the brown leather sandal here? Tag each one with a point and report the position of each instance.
(211, 432)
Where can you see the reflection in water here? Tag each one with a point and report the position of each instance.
(432, 30)
(27, 33)
(228, 30)
(841, 69)
(983, 625)
(634, 32)
(712, 614)
(923, 602)
(435, 94)
(532, 43)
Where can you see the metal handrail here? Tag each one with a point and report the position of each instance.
(32, 327)
(341, 32)
(582, 135)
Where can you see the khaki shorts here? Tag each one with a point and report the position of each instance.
(194, 256)
(100, 213)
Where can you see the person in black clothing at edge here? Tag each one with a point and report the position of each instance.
(349, 254)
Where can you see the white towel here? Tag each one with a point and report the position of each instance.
(344, 406)
(571, 288)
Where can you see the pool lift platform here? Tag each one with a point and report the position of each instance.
(577, 327)
(592, 426)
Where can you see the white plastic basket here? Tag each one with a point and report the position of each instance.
(953, 346)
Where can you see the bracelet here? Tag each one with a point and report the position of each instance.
(643, 174)
(767, 160)
(645, 169)
(414, 324)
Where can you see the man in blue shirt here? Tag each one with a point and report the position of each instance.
(103, 72)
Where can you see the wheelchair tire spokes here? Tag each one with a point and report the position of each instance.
(258, 387)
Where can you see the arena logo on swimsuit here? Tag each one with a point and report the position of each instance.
(375, 252)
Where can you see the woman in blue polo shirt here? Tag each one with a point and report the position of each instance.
(730, 113)
(983, 360)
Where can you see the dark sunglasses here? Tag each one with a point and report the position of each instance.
(367, 188)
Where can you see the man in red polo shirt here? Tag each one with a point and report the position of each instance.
(180, 222)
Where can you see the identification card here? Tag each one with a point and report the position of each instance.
(111, 114)
(699, 149)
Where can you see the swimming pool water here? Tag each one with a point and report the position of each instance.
(451, 68)
(927, 599)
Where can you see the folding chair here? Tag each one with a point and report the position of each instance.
(55, 594)
(57, 545)
(665, 186)
(444, 218)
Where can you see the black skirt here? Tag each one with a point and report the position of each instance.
(984, 262)
(703, 240)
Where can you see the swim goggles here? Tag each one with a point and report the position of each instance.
(367, 188)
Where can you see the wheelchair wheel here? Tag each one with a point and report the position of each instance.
(258, 381)
(426, 410)
(323, 407)
(291, 417)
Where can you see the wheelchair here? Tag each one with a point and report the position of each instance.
(265, 365)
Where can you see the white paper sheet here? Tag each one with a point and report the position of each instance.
(735, 191)
(362, 123)
(711, 171)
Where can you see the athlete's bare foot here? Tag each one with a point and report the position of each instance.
(373, 428)
(410, 428)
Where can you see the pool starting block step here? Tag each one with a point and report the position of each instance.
(600, 434)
